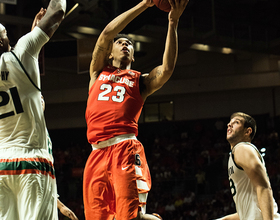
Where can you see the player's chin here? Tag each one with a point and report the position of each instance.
(228, 136)
(127, 58)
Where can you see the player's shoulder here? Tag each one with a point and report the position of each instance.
(245, 150)
(243, 146)
(145, 74)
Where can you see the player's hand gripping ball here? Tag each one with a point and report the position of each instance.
(163, 5)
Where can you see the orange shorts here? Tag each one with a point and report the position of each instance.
(116, 181)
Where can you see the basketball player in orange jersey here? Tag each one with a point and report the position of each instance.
(116, 176)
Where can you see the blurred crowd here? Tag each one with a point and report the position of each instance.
(188, 165)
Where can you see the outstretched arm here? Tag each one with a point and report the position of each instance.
(103, 45)
(53, 17)
(159, 75)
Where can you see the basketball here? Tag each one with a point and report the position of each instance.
(163, 5)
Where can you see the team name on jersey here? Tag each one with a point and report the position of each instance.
(4, 75)
(116, 79)
(230, 171)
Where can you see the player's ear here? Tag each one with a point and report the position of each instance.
(248, 131)
(133, 59)
(2, 49)
(110, 56)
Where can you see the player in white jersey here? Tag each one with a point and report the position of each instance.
(62, 208)
(27, 180)
(249, 183)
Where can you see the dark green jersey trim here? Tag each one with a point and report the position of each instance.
(23, 165)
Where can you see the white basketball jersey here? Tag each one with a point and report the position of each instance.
(22, 122)
(243, 192)
(49, 145)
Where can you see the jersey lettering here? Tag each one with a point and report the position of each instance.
(137, 160)
(5, 99)
(116, 79)
(230, 171)
(4, 75)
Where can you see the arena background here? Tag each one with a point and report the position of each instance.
(228, 61)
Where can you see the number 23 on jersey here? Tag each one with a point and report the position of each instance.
(107, 89)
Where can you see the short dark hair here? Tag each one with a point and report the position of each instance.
(118, 36)
(249, 122)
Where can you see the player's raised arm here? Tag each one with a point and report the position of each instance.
(159, 75)
(103, 45)
(53, 17)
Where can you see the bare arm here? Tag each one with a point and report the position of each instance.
(103, 45)
(65, 210)
(53, 17)
(246, 157)
(159, 75)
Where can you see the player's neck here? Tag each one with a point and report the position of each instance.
(233, 142)
(232, 145)
(121, 65)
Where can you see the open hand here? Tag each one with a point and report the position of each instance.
(38, 17)
(149, 3)
(177, 8)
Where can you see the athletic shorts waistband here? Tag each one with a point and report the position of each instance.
(112, 141)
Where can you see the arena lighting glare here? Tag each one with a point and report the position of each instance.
(140, 38)
(204, 47)
(2, 8)
(88, 30)
(137, 46)
(77, 35)
(227, 50)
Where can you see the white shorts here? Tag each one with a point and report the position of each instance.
(27, 185)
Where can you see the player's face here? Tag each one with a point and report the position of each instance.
(235, 129)
(123, 49)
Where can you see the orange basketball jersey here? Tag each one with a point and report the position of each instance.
(114, 104)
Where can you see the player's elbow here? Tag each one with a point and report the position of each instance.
(168, 68)
(108, 34)
(264, 189)
(166, 74)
